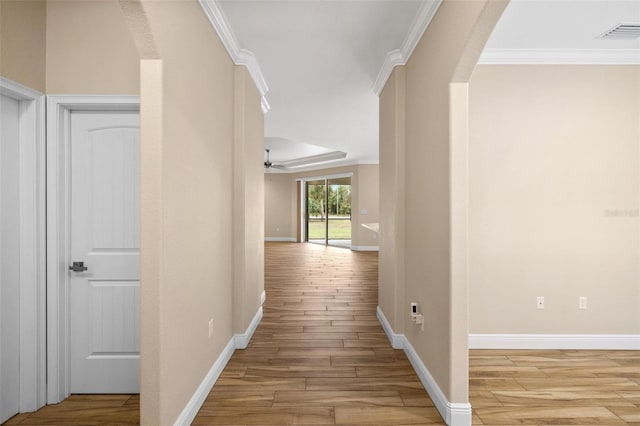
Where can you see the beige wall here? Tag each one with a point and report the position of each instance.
(22, 42)
(90, 49)
(392, 187)
(553, 153)
(435, 188)
(364, 196)
(368, 195)
(193, 208)
(248, 215)
(196, 205)
(279, 206)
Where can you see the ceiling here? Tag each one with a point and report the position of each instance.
(320, 59)
(555, 31)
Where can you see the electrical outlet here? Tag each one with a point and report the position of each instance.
(540, 302)
(582, 302)
(211, 327)
(414, 309)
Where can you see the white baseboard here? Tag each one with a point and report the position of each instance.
(280, 239)
(190, 411)
(263, 297)
(454, 414)
(242, 340)
(397, 340)
(555, 341)
(365, 248)
(238, 341)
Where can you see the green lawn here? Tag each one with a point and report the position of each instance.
(338, 229)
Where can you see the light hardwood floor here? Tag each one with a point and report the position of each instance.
(85, 410)
(320, 356)
(555, 387)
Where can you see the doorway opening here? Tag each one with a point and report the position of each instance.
(328, 211)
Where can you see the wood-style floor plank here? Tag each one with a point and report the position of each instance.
(320, 324)
(559, 387)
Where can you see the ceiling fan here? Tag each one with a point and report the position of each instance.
(269, 165)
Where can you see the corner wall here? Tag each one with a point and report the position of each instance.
(194, 222)
(392, 191)
(435, 190)
(249, 199)
(202, 134)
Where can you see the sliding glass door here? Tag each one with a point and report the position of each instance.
(328, 212)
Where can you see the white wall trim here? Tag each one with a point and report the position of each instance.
(280, 239)
(263, 297)
(32, 243)
(239, 56)
(555, 341)
(59, 110)
(238, 341)
(397, 340)
(332, 176)
(242, 340)
(365, 248)
(454, 414)
(392, 60)
(400, 56)
(560, 56)
(332, 164)
(190, 410)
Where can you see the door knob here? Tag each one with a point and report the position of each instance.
(78, 267)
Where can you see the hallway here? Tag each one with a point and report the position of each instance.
(319, 355)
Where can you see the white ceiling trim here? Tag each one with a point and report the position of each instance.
(400, 56)
(314, 159)
(239, 56)
(560, 56)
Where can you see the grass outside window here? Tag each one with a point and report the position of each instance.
(339, 229)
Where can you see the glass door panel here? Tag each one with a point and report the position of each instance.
(339, 212)
(316, 211)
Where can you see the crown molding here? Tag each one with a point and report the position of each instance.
(314, 159)
(560, 56)
(393, 59)
(264, 104)
(400, 56)
(419, 26)
(239, 56)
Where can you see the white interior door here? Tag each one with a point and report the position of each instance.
(104, 308)
(9, 257)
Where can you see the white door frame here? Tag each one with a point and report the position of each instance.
(59, 110)
(32, 243)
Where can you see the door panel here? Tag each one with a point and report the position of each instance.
(316, 212)
(104, 308)
(9, 258)
(339, 212)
